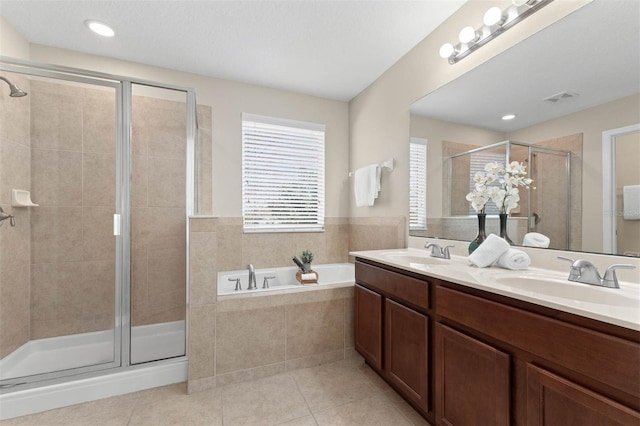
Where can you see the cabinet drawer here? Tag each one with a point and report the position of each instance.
(607, 359)
(400, 287)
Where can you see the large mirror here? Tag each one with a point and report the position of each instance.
(574, 88)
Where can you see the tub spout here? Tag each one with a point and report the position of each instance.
(252, 278)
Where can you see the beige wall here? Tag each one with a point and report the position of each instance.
(379, 116)
(12, 44)
(436, 132)
(229, 100)
(591, 123)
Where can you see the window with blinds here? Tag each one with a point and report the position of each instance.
(418, 184)
(282, 175)
(477, 163)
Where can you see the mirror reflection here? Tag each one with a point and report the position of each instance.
(569, 90)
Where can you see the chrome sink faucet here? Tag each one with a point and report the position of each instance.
(583, 271)
(437, 251)
(252, 278)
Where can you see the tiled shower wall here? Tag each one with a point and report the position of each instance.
(15, 160)
(235, 340)
(57, 265)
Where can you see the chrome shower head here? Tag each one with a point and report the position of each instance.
(16, 92)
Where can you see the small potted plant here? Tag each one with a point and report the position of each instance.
(307, 258)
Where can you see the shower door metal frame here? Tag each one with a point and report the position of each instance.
(122, 308)
(530, 148)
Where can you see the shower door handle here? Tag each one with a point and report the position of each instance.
(117, 225)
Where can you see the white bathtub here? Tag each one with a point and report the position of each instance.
(149, 342)
(285, 279)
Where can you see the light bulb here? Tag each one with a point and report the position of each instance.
(508, 117)
(493, 16)
(446, 50)
(468, 35)
(99, 28)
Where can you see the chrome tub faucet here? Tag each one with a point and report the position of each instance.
(252, 278)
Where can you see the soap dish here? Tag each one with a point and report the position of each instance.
(21, 198)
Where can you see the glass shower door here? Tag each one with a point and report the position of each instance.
(59, 292)
(550, 171)
(158, 220)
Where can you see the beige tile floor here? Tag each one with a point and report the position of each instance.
(341, 393)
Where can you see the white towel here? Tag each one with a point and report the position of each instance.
(366, 185)
(489, 251)
(514, 259)
(631, 202)
(535, 239)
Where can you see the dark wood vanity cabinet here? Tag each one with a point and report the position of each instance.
(392, 330)
(538, 366)
(554, 400)
(406, 337)
(472, 380)
(368, 324)
(462, 356)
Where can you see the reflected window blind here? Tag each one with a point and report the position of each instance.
(477, 163)
(418, 184)
(282, 175)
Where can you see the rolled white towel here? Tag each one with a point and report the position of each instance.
(489, 251)
(535, 239)
(514, 259)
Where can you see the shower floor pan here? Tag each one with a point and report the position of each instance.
(148, 343)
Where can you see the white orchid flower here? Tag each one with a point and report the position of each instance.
(493, 167)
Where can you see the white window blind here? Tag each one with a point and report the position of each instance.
(418, 184)
(477, 163)
(282, 175)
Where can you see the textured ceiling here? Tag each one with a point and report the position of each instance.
(331, 49)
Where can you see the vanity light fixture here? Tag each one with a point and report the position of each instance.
(99, 28)
(496, 22)
(508, 117)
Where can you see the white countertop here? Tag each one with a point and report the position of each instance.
(535, 285)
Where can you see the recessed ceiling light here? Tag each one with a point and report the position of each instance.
(99, 28)
(508, 117)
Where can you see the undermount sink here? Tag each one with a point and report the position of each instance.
(422, 260)
(562, 288)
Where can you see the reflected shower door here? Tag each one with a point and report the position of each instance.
(158, 217)
(551, 179)
(62, 147)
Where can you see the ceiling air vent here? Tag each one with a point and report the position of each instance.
(560, 97)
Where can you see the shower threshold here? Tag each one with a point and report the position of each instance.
(148, 343)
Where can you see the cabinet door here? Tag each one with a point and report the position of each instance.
(406, 356)
(368, 323)
(472, 381)
(552, 400)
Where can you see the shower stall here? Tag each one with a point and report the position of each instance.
(544, 208)
(93, 276)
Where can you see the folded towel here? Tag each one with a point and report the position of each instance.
(514, 259)
(631, 202)
(489, 251)
(534, 239)
(366, 185)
